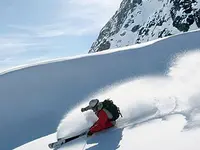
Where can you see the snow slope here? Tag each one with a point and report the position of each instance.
(35, 99)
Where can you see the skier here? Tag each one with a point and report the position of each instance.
(107, 113)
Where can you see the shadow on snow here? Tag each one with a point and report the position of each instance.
(106, 140)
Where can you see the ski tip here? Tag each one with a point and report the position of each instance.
(50, 146)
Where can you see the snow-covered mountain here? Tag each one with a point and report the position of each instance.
(155, 84)
(139, 21)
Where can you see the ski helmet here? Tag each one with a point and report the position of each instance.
(93, 103)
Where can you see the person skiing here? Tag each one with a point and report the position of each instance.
(107, 113)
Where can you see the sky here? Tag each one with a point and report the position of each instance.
(36, 30)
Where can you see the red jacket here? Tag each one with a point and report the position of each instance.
(102, 123)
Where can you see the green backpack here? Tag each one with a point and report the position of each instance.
(112, 108)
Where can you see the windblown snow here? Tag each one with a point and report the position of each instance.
(149, 98)
(156, 87)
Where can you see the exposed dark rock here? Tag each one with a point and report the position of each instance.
(126, 25)
(104, 46)
(135, 28)
(183, 22)
(122, 34)
(197, 17)
(164, 33)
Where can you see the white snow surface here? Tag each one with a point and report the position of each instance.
(155, 85)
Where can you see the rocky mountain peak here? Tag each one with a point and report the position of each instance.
(138, 21)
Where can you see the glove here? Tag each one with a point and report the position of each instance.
(83, 109)
(89, 134)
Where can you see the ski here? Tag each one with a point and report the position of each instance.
(62, 141)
